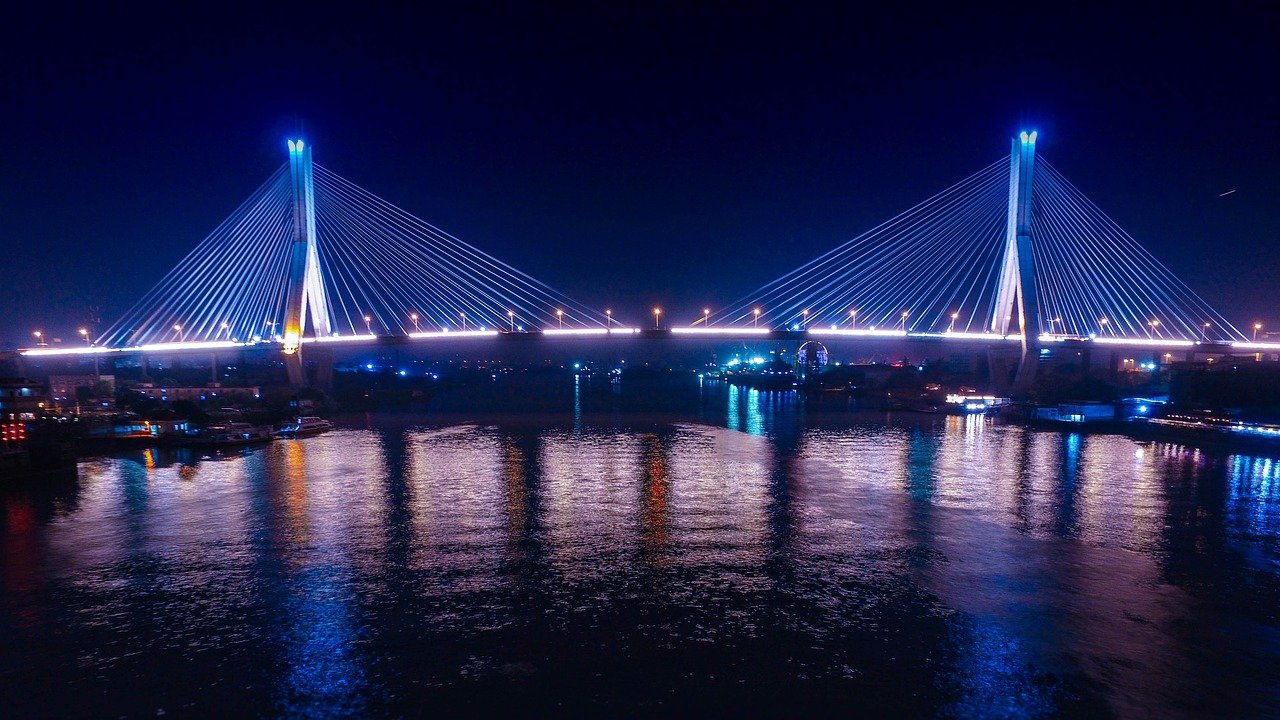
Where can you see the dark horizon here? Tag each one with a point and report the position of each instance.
(677, 158)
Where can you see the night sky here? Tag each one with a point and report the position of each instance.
(629, 157)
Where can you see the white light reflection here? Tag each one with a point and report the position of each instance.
(592, 491)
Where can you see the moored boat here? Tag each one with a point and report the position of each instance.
(775, 375)
(230, 434)
(303, 426)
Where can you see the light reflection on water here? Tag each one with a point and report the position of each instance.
(786, 559)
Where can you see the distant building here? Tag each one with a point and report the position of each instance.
(22, 399)
(149, 427)
(62, 388)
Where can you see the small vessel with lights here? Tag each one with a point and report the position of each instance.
(304, 426)
(231, 434)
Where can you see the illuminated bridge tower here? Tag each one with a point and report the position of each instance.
(1017, 273)
(306, 286)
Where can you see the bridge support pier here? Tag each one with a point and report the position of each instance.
(306, 295)
(293, 367)
(323, 359)
(322, 366)
(1017, 287)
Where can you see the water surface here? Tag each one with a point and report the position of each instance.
(753, 556)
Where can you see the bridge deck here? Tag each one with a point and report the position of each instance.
(726, 333)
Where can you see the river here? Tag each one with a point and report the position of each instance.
(745, 555)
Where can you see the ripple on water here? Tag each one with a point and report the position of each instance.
(946, 566)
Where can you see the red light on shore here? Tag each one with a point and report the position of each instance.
(13, 432)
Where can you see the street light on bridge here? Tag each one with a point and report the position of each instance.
(905, 313)
(511, 317)
(177, 327)
(560, 318)
(853, 319)
(756, 321)
(84, 335)
(954, 316)
(608, 319)
(1206, 331)
(368, 324)
(39, 337)
(226, 327)
(414, 317)
(657, 312)
(1256, 327)
(1102, 323)
(1154, 324)
(464, 321)
(706, 317)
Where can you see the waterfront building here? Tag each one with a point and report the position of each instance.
(22, 399)
(62, 388)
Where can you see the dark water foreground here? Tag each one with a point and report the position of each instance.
(749, 558)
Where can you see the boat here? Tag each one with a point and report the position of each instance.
(231, 434)
(303, 426)
(774, 375)
(1208, 426)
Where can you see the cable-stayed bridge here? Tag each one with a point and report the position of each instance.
(1011, 254)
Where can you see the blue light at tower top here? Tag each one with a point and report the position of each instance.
(1028, 139)
(295, 146)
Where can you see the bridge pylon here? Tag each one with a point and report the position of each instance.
(306, 286)
(1017, 287)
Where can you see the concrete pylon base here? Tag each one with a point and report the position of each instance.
(1025, 380)
(293, 366)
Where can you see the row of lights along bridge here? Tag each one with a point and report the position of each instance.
(1054, 324)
